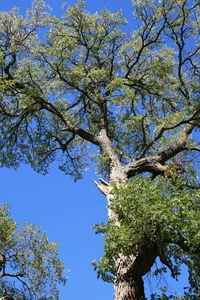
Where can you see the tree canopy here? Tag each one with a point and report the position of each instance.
(81, 87)
(59, 90)
(26, 260)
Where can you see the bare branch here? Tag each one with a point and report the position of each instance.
(147, 164)
(103, 186)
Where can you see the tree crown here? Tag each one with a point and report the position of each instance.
(27, 259)
(84, 75)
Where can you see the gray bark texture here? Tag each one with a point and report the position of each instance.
(130, 289)
(128, 283)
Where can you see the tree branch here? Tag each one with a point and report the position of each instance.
(12, 275)
(192, 149)
(108, 149)
(162, 131)
(155, 164)
(103, 186)
(83, 134)
(177, 147)
(147, 164)
(144, 45)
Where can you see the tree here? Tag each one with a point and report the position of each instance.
(26, 260)
(80, 89)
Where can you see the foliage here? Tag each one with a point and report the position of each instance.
(85, 73)
(29, 263)
(81, 87)
(160, 213)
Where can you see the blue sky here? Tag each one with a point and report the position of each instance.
(65, 210)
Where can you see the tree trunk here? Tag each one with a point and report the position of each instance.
(130, 289)
(128, 283)
(130, 269)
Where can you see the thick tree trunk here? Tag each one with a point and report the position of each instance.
(128, 283)
(130, 269)
(130, 289)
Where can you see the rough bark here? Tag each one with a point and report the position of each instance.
(132, 289)
(128, 283)
(130, 269)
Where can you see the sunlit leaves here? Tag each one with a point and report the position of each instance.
(85, 71)
(153, 212)
(32, 268)
(82, 75)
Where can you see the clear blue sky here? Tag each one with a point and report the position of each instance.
(65, 210)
